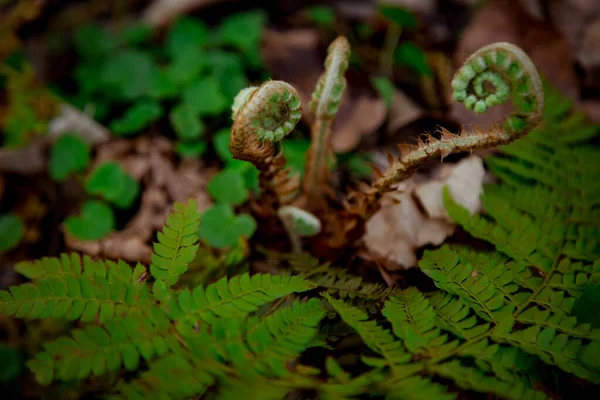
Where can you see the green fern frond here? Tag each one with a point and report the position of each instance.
(233, 298)
(414, 321)
(543, 220)
(417, 388)
(377, 338)
(96, 350)
(473, 379)
(72, 288)
(170, 377)
(176, 247)
(278, 339)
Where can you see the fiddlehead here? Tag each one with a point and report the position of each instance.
(324, 104)
(263, 116)
(505, 68)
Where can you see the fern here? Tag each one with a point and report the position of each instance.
(176, 247)
(73, 288)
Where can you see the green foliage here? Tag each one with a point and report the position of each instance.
(95, 221)
(321, 14)
(177, 245)
(587, 305)
(12, 231)
(190, 79)
(385, 88)
(228, 187)
(11, 363)
(221, 228)
(69, 154)
(110, 181)
(136, 118)
(399, 16)
(411, 55)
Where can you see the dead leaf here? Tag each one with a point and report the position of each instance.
(465, 181)
(403, 111)
(73, 120)
(400, 227)
(28, 160)
(161, 12)
(363, 117)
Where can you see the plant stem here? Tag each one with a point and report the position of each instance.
(317, 162)
(386, 57)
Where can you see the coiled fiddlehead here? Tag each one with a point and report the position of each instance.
(503, 67)
(262, 117)
(324, 104)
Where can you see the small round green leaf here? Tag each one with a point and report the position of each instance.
(107, 180)
(385, 88)
(186, 122)
(127, 75)
(228, 187)
(221, 228)
(12, 231)
(11, 363)
(190, 149)
(69, 154)
(411, 55)
(137, 117)
(205, 97)
(95, 221)
(187, 33)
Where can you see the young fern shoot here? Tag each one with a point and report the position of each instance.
(505, 68)
(298, 224)
(324, 105)
(262, 117)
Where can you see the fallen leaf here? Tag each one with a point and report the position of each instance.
(362, 117)
(28, 160)
(72, 120)
(404, 111)
(161, 12)
(400, 228)
(465, 181)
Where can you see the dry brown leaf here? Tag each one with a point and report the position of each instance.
(28, 160)
(400, 227)
(363, 117)
(403, 111)
(71, 119)
(161, 12)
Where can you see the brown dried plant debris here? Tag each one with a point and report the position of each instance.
(415, 216)
(294, 56)
(152, 162)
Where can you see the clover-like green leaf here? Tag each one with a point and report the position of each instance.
(205, 97)
(12, 231)
(244, 31)
(321, 14)
(136, 33)
(228, 187)
(221, 228)
(399, 15)
(411, 55)
(137, 117)
(187, 66)
(385, 88)
(127, 75)
(186, 33)
(111, 182)
(186, 122)
(162, 85)
(95, 221)
(190, 149)
(93, 42)
(69, 154)
(228, 69)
